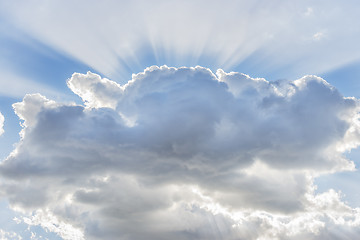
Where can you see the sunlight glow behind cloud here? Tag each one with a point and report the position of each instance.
(222, 156)
(118, 37)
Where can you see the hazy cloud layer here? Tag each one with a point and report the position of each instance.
(183, 153)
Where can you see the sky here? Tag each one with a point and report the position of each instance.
(179, 119)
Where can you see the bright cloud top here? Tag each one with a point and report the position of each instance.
(179, 153)
(1, 124)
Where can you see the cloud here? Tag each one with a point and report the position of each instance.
(318, 36)
(179, 153)
(9, 235)
(95, 91)
(1, 124)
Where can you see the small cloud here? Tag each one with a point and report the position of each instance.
(309, 11)
(318, 36)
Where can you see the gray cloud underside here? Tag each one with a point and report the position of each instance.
(182, 153)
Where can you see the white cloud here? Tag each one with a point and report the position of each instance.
(50, 223)
(4, 235)
(318, 36)
(95, 91)
(309, 11)
(30, 107)
(207, 156)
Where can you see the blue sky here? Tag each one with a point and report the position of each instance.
(297, 155)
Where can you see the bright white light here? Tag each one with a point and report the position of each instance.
(119, 37)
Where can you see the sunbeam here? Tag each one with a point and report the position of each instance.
(187, 33)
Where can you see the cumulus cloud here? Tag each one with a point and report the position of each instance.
(179, 153)
(1, 124)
